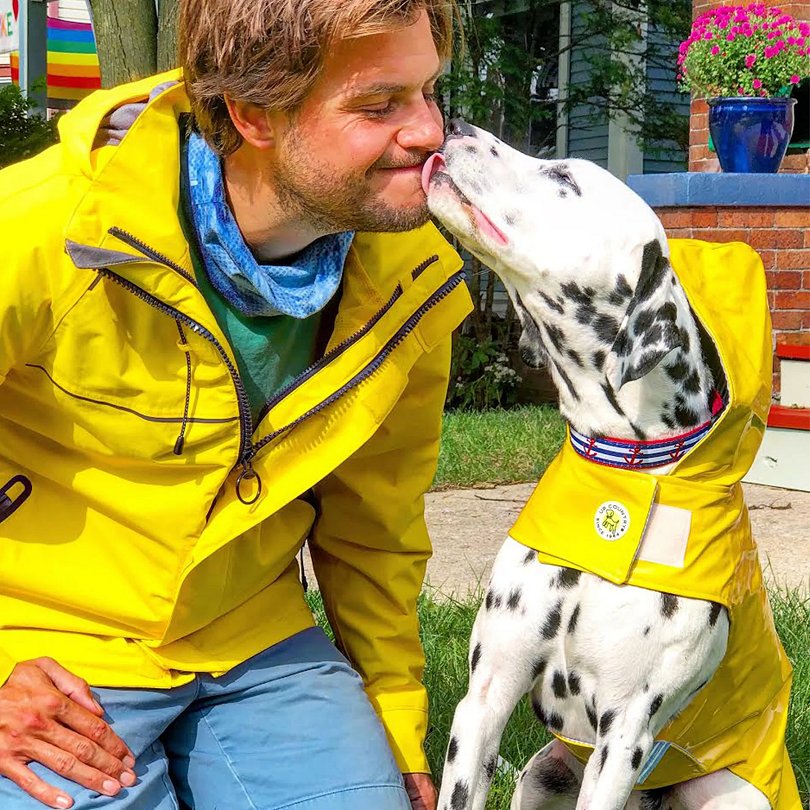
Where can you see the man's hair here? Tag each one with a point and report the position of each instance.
(271, 52)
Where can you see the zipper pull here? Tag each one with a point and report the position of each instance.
(248, 474)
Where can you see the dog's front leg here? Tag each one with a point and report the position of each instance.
(503, 656)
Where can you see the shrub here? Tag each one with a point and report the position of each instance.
(744, 51)
(21, 136)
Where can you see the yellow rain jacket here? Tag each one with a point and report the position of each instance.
(688, 533)
(136, 567)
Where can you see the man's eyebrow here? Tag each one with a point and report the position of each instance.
(384, 89)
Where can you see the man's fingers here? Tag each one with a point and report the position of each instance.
(28, 781)
(90, 754)
(94, 729)
(66, 764)
(69, 684)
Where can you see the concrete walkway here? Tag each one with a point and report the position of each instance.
(468, 527)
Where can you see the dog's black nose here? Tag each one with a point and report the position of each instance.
(457, 128)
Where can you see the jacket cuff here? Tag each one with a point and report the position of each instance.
(406, 729)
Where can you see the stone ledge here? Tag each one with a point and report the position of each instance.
(681, 189)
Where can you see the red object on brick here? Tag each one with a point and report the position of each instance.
(792, 418)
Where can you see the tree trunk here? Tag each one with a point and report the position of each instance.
(126, 38)
(167, 35)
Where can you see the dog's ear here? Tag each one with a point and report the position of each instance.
(648, 332)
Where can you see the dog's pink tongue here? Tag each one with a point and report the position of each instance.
(432, 165)
(486, 226)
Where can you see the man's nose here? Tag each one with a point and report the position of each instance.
(458, 128)
(425, 131)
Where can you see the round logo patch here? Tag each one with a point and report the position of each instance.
(612, 520)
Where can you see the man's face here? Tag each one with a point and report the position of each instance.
(351, 156)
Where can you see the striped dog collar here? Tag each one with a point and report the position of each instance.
(634, 455)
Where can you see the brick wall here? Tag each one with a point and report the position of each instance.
(700, 158)
(782, 239)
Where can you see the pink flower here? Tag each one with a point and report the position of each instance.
(715, 50)
(804, 29)
(730, 37)
(750, 59)
(794, 79)
(757, 84)
(707, 35)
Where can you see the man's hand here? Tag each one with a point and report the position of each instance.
(421, 791)
(48, 715)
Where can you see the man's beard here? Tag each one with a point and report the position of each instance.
(331, 206)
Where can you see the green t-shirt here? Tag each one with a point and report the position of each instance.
(270, 351)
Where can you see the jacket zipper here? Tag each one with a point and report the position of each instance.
(247, 450)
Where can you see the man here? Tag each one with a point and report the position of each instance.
(224, 329)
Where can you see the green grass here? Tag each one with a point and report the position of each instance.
(497, 447)
(446, 628)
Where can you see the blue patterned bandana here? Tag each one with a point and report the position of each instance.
(299, 289)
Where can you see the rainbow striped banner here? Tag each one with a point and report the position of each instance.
(73, 70)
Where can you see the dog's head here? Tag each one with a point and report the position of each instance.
(558, 233)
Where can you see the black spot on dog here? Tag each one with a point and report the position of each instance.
(575, 358)
(555, 721)
(572, 622)
(476, 657)
(552, 304)
(647, 630)
(668, 312)
(585, 313)
(452, 749)
(677, 369)
(622, 345)
(606, 721)
(653, 335)
(531, 556)
(636, 760)
(692, 383)
(668, 421)
(471, 149)
(602, 757)
(491, 767)
(509, 219)
(611, 398)
(514, 599)
(489, 601)
(644, 320)
(562, 193)
(638, 432)
(567, 578)
(539, 668)
(653, 270)
(460, 797)
(538, 710)
(684, 415)
(646, 688)
(555, 335)
(555, 777)
(558, 685)
(606, 328)
(654, 799)
(567, 380)
(590, 710)
(574, 685)
(562, 176)
(572, 290)
(598, 359)
(669, 605)
(685, 342)
(621, 292)
(714, 613)
(493, 151)
(498, 601)
(656, 704)
(552, 624)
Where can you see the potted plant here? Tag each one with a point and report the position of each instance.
(745, 61)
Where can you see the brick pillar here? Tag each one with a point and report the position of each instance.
(700, 158)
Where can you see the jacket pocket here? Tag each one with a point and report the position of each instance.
(14, 493)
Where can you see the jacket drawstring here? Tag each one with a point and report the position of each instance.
(184, 346)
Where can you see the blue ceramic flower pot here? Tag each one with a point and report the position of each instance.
(751, 134)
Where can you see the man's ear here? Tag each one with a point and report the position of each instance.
(648, 332)
(252, 122)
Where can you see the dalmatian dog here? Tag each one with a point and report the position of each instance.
(610, 665)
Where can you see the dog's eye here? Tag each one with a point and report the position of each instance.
(561, 175)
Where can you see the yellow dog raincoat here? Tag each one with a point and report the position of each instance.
(738, 720)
